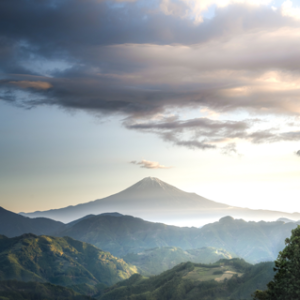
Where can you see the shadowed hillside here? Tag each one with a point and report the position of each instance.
(17, 290)
(125, 234)
(12, 224)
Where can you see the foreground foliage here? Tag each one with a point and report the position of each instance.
(286, 282)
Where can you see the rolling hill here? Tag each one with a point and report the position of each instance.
(226, 279)
(157, 260)
(157, 201)
(62, 261)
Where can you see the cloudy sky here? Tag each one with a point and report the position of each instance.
(96, 95)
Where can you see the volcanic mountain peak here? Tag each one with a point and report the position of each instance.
(150, 198)
(154, 200)
(151, 184)
(150, 179)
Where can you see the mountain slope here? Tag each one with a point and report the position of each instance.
(149, 198)
(125, 234)
(227, 279)
(62, 261)
(12, 224)
(253, 241)
(155, 200)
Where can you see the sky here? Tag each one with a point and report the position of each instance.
(96, 95)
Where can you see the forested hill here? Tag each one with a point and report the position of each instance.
(227, 279)
(62, 261)
(157, 260)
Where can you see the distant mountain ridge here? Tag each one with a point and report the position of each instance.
(12, 224)
(122, 234)
(252, 241)
(286, 220)
(157, 201)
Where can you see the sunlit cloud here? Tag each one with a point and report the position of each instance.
(289, 10)
(230, 149)
(196, 8)
(204, 133)
(146, 164)
(32, 84)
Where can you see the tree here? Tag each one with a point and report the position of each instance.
(286, 282)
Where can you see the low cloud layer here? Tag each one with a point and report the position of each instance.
(139, 59)
(149, 164)
(204, 133)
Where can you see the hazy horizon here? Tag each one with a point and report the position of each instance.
(84, 202)
(156, 201)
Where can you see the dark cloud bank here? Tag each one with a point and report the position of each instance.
(132, 59)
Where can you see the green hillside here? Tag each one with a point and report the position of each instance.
(157, 260)
(253, 241)
(17, 290)
(224, 280)
(62, 261)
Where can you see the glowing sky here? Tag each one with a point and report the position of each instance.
(96, 95)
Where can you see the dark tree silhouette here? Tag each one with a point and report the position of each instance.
(286, 282)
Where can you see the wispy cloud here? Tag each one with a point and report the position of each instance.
(230, 149)
(149, 164)
(32, 84)
(204, 133)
